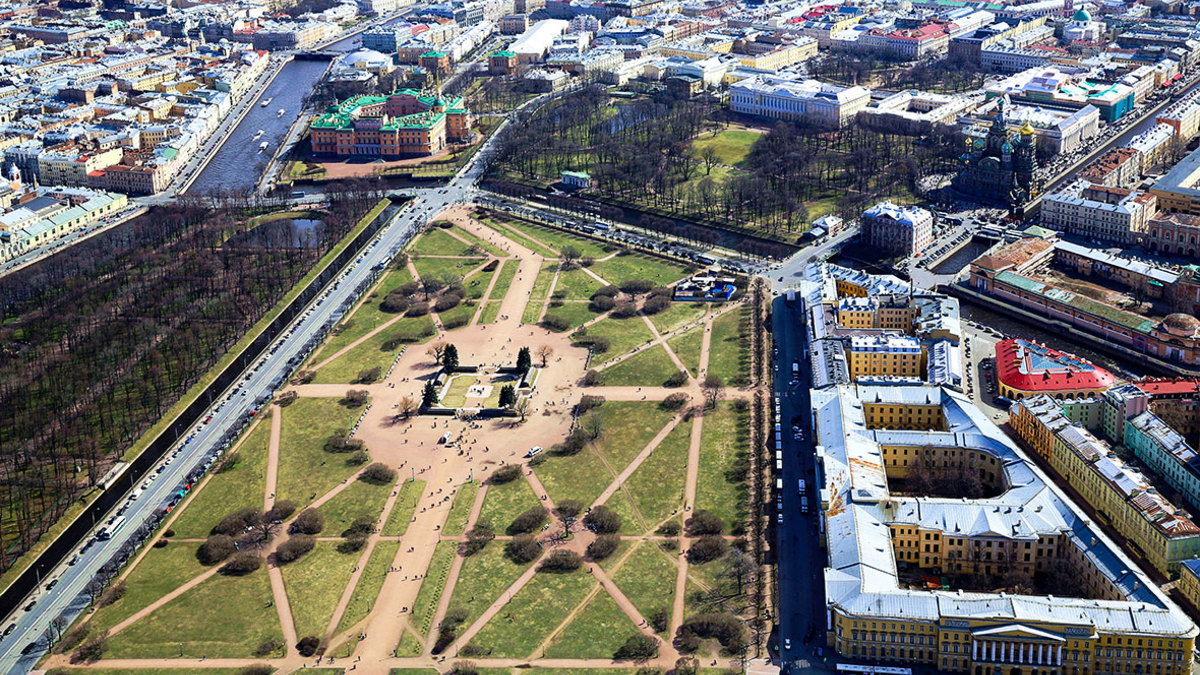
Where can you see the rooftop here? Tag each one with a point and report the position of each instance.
(1030, 367)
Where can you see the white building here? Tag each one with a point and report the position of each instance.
(533, 44)
(1099, 212)
(781, 98)
(897, 229)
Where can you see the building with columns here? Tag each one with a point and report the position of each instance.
(1028, 584)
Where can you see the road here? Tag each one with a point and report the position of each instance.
(799, 555)
(229, 414)
(788, 273)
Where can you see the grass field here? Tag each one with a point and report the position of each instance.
(483, 577)
(731, 145)
(596, 632)
(558, 240)
(581, 477)
(477, 284)
(402, 510)
(437, 241)
(432, 586)
(225, 492)
(160, 572)
(491, 311)
(483, 244)
(627, 427)
(657, 485)
(458, 316)
(519, 238)
(504, 502)
(315, 584)
(626, 266)
(368, 316)
(650, 368)
(647, 578)
(371, 352)
(541, 283)
(729, 354)
(506, 274)
(577, 284)
(677, 315)
(221, 617)
(460, 510)
(446, 268)
(537, 609)
(722, 442)
(623, 335)
(687, 347)
(369, 584)
(359, 499)
(576, 313)
(306, 471)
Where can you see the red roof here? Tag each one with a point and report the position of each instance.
(1031, 367)
(1167, 387)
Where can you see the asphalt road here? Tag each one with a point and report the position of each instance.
(229, 414)
(800, 558)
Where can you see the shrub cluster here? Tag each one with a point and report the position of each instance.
(723, 626)
(602, 520)
(529, 521)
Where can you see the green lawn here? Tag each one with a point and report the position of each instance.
(519, 238)
(368, 316)
(160, 572)
(315, 584)
(647, 578)
(370, 582)
(729, 354)
(577, 284)
(409, 646)
(225, 492)
(657, 485)
(436, 241)
(481, 243)
(650, 368)
(723, 440)
(483, 577)
(162, 671)
(687, 346)
(491, 311)
(477, 284)
(558, 240)
(458, 316)
(446, 267)
(538, 608)
(533, 311)
(460, 510)
(677, 315)
(360, 499)
(623, 335)
(582, 477)
(541, 284)
(432, 586)
(576, 313)
(223, 617)
(597, 632)
(402, 510)
(371, 352)
(626, 266)
(731, 145)
(306, 471)
(627, 427)
(506, 274)
(502, 503)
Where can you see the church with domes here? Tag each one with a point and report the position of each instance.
(1001, 167)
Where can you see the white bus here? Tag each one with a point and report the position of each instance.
(112, 528)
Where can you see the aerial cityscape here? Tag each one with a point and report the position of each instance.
(600, 337)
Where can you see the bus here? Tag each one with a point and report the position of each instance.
(112, 528)
(873, 670)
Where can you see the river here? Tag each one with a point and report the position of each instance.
(238, 163)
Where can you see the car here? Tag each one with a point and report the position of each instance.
(31, 605)
(787, 644)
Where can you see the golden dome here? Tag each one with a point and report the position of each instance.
(1027, 130)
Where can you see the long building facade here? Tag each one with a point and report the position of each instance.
(403, 124)
(1113, 619)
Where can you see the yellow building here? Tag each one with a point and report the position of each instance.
(1189, 581)
(1120, 496)
(1041, 589)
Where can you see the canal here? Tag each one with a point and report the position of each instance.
(239, 162)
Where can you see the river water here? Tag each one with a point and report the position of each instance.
(239, 162)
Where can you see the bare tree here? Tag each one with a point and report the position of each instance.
(709, 156)
(409, 406)
(436, 350)
(714, 389)
(544, 353)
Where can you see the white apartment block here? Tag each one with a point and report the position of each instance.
(897, 229)
(1099, 212)
(786, 99)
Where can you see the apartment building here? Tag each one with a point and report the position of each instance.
(898, 230)
(1100, 212)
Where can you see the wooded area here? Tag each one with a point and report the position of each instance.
(642, 153)
(98, 341)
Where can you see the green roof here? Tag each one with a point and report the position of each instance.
(505, 54)
(1083, 304)
(1038, 231)
(433, 53)
(342, 116)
